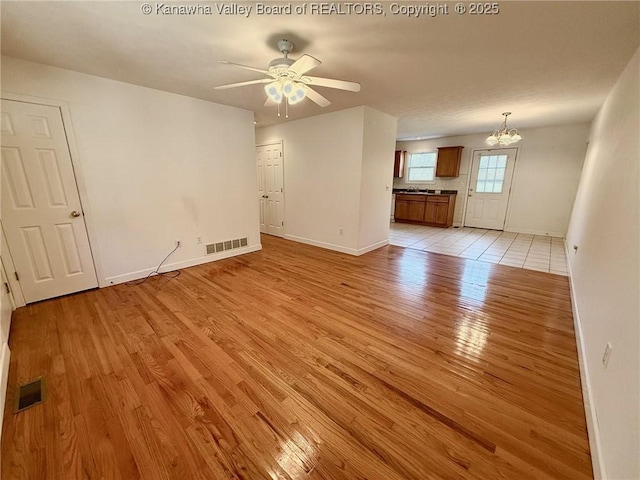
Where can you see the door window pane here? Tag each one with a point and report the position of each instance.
(491, 173)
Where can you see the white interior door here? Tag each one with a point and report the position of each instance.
(489, 188)
(271, 189)
(6, 309)
(41, 211)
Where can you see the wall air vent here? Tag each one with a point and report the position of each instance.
(226, 245)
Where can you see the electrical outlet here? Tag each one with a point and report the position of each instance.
(341, 231)
(607, 354)
(198, 239)
(178, 243)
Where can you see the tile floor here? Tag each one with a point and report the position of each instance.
(533, 252)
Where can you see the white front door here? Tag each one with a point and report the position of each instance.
(271, 189)
(41, 212)
(489, 188)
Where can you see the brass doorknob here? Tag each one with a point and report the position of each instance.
(75, 214)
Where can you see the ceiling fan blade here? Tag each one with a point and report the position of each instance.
(304, 64)
(332, 83)
(246, 67)
(242, 84)
(317, 98)
(270, 102)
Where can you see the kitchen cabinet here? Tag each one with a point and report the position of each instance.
(437, 211)
(398, 165)
(427, 209)
(409, 208)
(448, 164)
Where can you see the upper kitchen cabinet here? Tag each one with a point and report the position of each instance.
(448, 161)
(398, 166)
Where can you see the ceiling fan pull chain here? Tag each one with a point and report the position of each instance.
(286, 107)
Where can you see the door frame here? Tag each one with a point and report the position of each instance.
(284, 192)
(468, 184)
(77, 173)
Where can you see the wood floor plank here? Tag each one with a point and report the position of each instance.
(296, 362)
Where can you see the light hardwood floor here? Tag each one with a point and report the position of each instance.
(297, 362)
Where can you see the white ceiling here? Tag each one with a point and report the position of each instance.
(549, 63)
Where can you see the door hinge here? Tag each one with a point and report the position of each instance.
(6, 286)
(283, 224)
(280, 153)
(281, 190)
(17, 277)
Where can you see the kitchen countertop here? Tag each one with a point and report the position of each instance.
(424, 192)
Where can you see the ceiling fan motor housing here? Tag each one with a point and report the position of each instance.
(285, 46)
(280, 65)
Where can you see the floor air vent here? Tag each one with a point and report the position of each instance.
(29, 395)
(226, 245)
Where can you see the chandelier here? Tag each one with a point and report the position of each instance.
(504, 135)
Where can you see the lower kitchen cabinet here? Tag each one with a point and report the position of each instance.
(411, 209)
(434, 210)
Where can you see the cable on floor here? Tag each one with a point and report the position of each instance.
(170, 274)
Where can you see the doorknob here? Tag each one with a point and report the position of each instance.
(75, 214)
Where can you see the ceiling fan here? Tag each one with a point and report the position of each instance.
(287, 80)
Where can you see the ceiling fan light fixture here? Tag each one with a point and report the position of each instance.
(503, 136)
(274, 91)
(298, 94)
(288, 88)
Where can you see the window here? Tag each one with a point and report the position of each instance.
(491, 173)
(422, 167)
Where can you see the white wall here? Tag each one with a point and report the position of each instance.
(322, 157)
(377, 177)
(323, 176)
(545, 180)
(157, 168)
(605, 273)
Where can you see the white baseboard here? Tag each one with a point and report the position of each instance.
(328, 246)
(373, 246)
(593, 429)
(338, 248)
(534, 232)
(127, 277)
(5, 356)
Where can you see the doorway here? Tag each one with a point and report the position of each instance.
(271, 188)
(41, 212)
(489, 188)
